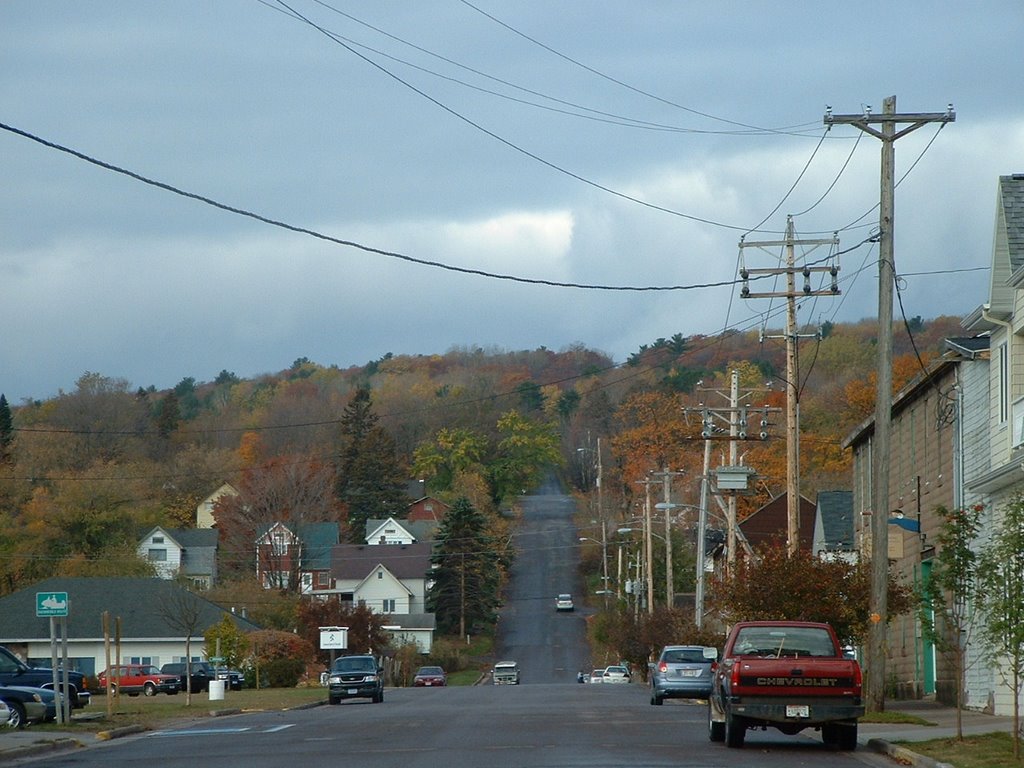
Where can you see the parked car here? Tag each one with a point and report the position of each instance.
(355, 677)
(233, 678)
(597, 676)
(134, 679)
(564, 603)
(200, 672)
(13, 671)
(26, 705)
(616, 674)
(427, 677)
(682, 671)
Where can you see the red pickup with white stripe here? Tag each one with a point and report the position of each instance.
(789, 675)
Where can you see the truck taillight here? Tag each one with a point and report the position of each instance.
(735, 676)
(858, 677)
(663, 667)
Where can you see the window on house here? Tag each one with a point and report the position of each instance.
(323, 579)
(157, 555)
(141, 660)
(380, 574)
(387, 606)
(279, 543)
(158, 539)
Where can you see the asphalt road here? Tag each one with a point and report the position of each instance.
(529, 726)
(549, 721)
(550, 647)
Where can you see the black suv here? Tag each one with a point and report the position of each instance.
(202, 674)
(355, 677)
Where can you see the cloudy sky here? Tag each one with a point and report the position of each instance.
(580, 143)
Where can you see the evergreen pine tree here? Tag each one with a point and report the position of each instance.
(466, 571)
(371, 481)
(6, 431)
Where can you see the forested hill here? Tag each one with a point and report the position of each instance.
(82, 472)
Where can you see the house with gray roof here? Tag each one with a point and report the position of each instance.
(395, 531)
(993, 419)
(391, 580)
(190, 553)
(152, 616)
(287, 551)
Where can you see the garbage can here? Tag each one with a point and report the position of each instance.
(216, 690)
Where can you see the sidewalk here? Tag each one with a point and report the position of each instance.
(880, 737)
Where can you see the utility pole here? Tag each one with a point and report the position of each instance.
(792, 339)
(666, 475)
(648, 549)
(881, 443)
(702, 526)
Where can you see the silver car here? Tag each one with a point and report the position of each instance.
(682, 671)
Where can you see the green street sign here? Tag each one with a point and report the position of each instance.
(216, 659)
(51, 604)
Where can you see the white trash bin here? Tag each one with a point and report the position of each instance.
(216, 690)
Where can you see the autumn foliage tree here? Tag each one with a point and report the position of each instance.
(802, 587)
(366, 632)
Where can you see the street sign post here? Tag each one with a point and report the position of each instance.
(49, 604)
(333, 638)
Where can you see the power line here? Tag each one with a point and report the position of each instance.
(510, 144)
(615, 80)
(595, 114)
(349, 243)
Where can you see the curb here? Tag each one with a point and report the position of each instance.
(903, 755)
(43, 746)
(116, 733)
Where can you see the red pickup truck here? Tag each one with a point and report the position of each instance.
(789, 675)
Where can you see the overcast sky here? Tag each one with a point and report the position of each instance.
(578, 142)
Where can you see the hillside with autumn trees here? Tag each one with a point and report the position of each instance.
(84, 474)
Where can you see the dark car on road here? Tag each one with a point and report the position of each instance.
(682, 672)
(428, 677)
(355, 677)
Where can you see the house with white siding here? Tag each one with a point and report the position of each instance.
(994, 434)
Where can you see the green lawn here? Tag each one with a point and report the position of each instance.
(991, 750)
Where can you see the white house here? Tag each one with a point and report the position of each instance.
(994, 430)
(187, 552)
(391, 580)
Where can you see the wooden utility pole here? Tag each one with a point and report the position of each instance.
(881, 444)
(792, 346)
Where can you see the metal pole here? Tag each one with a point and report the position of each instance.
(670, 591)
(734, 396)
(702, 522)
(648, 548)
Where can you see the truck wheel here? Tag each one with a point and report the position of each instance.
(149, 689)
(656, 700)
(716, 731)
(378, 698)
(735, 730)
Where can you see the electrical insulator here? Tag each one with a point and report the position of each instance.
(706, 427)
